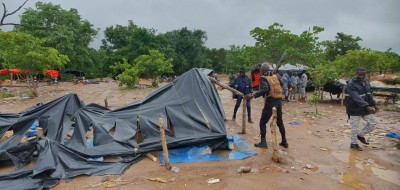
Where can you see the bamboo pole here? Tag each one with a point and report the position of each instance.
(164, 143)
(275, 156)
(244, 116)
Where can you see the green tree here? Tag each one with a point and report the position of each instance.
(188, 47)
(125, 73)
(63, 30)
(217, 59)
(25, 52)
(275, 41)
(341, 45)
(153, 65)
(346, 65)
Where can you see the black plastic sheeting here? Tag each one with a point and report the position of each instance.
(191, 110)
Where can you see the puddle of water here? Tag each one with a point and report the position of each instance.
(353, 182)
(354, 162)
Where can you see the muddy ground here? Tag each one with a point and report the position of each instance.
(318, 155)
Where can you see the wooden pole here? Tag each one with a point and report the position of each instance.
(344, 87)
(105, 103)
(39, 132)
(151, 157)
(244, 116)
(164, 143)
(226, 87)
(275, 156)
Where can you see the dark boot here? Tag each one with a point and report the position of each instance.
(262, 144)
(284, 144)
(233, 117)
(287, 99)
(250, 120)
(362, 139)
(355, 147)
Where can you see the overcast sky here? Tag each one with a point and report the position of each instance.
(229, 22)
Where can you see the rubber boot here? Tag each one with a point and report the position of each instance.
(262, 144)
(284, 142)
(250, 120)
(287, 99)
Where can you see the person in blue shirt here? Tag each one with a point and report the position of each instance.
(242, 83)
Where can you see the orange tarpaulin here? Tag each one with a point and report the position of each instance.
(52, 73)
(14, 71)
(4, 72)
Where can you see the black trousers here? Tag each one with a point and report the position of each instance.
(266, 115)
(238, 102)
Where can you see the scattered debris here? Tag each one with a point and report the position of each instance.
(323, 149)
(244, 169)
(175, 169)
(213, 180)
(161, 180)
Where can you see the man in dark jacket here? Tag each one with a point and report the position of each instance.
(267, 110)
(242, 84)
(360, 104)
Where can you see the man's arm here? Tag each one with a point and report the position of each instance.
(264, 88)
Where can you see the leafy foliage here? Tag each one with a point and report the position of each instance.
(153, 65)
(63, 30)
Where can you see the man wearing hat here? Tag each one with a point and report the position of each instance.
(242, 83)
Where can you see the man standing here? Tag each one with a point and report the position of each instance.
(294, 81)
(303, 85)
(286, 81)
(271, 88)
(242, 84)
(360, 104)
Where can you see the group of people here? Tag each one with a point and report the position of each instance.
(293, 84)
(275, 88)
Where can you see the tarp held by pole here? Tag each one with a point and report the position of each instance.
(189, 104)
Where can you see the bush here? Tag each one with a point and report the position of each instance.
(5, 95)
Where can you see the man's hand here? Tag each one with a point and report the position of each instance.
(248, 97)
(371, 109)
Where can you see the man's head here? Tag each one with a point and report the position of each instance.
(361, 73)
(242, 71)
(264, 67)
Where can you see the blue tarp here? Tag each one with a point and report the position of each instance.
(239, 150)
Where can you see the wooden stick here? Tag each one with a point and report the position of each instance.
(151, 157)
(244, 116)
(344, 87)
(275, 156)
(164, 144)
(105, 103)
(39, 132)
(226, 87)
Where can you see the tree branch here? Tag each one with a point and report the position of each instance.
(5, 14)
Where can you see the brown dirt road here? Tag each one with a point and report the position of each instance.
(318, 155)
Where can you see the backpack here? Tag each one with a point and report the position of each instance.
(275, 88)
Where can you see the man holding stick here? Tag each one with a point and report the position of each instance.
(271, 88)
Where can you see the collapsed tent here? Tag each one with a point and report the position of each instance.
(189, 106)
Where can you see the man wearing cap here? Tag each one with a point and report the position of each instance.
(360, 105)
(242, 84)
(270, 102)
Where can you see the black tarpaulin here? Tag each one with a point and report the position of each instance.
(189, 106)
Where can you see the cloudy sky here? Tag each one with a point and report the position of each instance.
(229, 22)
